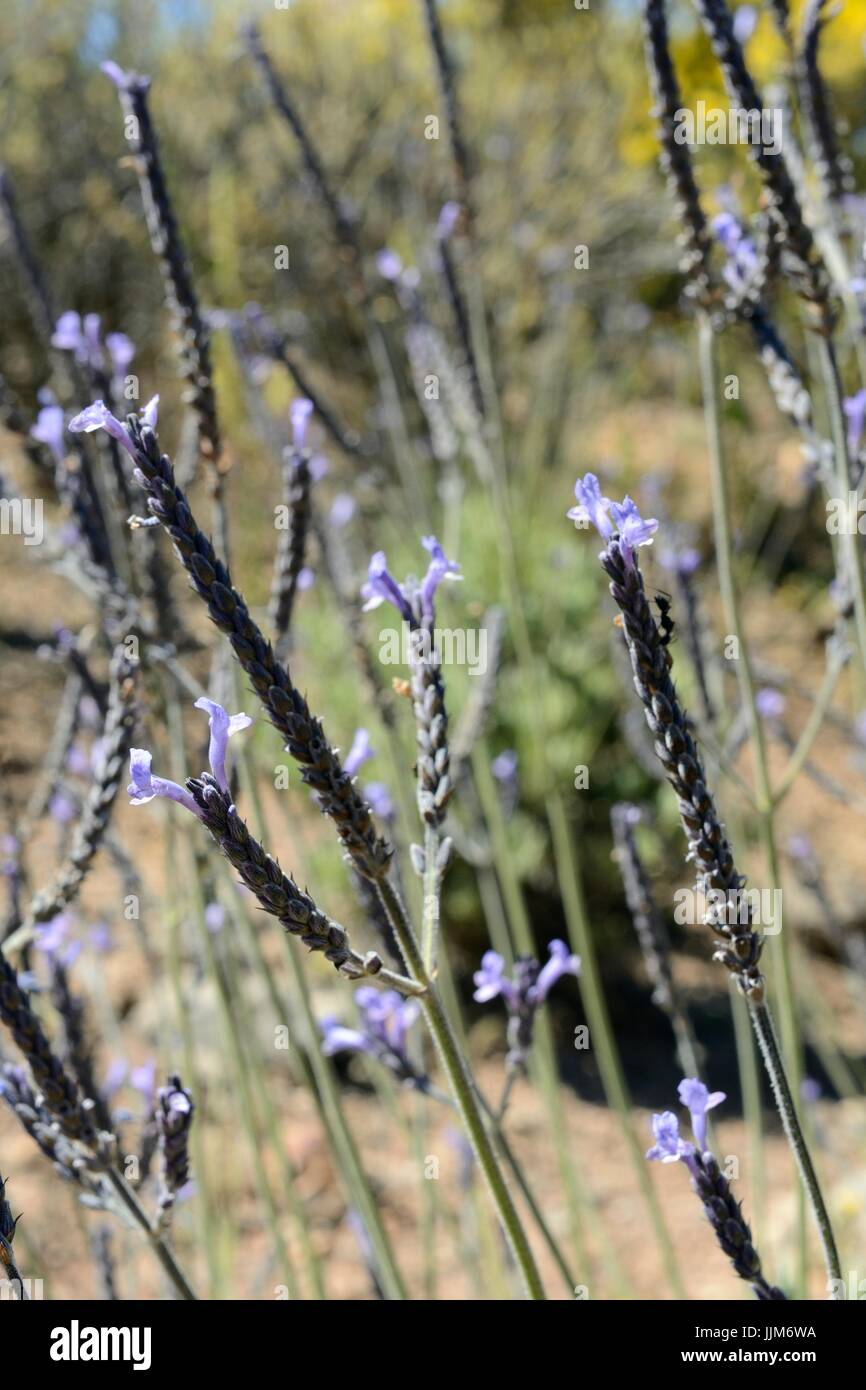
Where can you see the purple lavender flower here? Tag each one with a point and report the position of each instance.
(379, 799)
(306, 578)
(491, 980)
(342, 509)
(684, 561)
(52, 937)
(389, 264)
(124, 78)
(698, 1100)
(115, 1077)
(300, 413)
(800, 847)
(742, 260)
(360, 752)
(100, 937)
(591, 506)
(49, 430)
(504, 765)
(382, 587)
(222, 727)
(144, 787)
(121, 350)
(439, 568)
(62, 808)
(523, 995)
(561, 963)
(610, 519)
(769, 703)
(143, 1080)
(214, 917)
(855, 411)
(386, 1018)
(668, 1146)
(745, 22)
(447, 221)
(98, 417)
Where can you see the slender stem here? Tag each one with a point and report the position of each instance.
(778, 1077)
(763, 1025)
(463, 1089)
(835, 663)
(432, 899)
(158, 1245)
(850, 539)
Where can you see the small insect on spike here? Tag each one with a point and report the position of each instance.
(666, 622)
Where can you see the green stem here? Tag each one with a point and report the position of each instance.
(157, 1244)
(463, 1089)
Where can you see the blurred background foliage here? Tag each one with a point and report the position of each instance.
(594, 368)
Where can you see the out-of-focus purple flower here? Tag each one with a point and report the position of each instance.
(591, 506)
(342, 509)
(360, 752)
(51, 937)
(855, 412)
(62, 808)
(389, 264)
(745, 23)
(810, 1090)
(668, 1146)
(380, 800)
(561, 962)
(49, 430)
(742, 260)
(214, 917)
(439, 568)
(143, 1080)
(800, 847)
(684, 561)
(144, 787)
(306, 578)
(386, 1018)
(82, 339)
(491, 980)
(121, 350)
(124, 78)
(300, 413)
(115, 1076)
(78, 760)
(447, 221)
(222, 727)
(504, 765)
(382, 587)
(100, 937)
(770, 703)
(698, 1100)
(336, 1037)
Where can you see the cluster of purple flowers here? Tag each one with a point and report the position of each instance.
(83, 338)
(524, 994)
(613, 520)
(144, 786)
(381, 587)
(386, 1018)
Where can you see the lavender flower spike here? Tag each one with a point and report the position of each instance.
(144, 787)
(222, 727)
(98, 417)
(174, 1113)
(721, 1208)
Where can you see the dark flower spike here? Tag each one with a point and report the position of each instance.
(675, 158)
(192, 332)
(833, 170)
(174, 1116)
(675, 746)
(721, 1208)
(289, 712)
